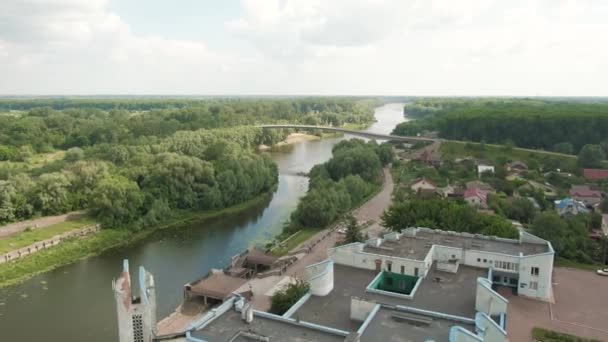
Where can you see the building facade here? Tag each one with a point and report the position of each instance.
(136, 314)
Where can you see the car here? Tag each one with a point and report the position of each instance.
(603, 272)
(342, 231)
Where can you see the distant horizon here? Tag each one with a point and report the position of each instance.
(203, 96)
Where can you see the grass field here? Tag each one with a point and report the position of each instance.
(543, 335)
(297, 239)
(78, 248)
(493, 152)
(29, 237)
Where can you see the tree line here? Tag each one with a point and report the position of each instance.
(43, 129)
(437, 213)
(550, 125)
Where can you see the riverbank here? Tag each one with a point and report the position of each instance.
(72, 250)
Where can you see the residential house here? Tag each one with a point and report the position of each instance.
(479, 185)
(569, 207)
(549, 190)
(423, 185)
(476, 197)
(429, 157)
(595, 174)
(517, 167)
(481, 168)
(450, 191)
(605, 224)
(586, 194)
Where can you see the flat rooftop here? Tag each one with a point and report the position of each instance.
(417, 247)
(228, 326)
(390, 325)
(448, 293)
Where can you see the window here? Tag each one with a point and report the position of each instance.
(453, 256)
(402, 269)
(534, 272)
(485, 260)
(416, 271)
(389, 266)
(533, 285)
(478, 260)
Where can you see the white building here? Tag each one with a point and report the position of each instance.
(481, 168)
(525, 264)
(136, 315)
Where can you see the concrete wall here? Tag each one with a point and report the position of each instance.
(487, 300)
(360, 308)
(320, 276)
(136, 316)
(460, 334)
(48, 243)
(353, 257)
(488, 329)
(544, 290)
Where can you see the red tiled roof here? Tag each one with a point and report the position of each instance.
(584, 191)
(475, 192)
(595, 173)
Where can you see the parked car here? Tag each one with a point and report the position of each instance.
(603, 272)
(342, 231)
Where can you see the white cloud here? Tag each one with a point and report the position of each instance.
(520, 47)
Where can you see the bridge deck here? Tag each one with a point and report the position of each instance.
(364, 134)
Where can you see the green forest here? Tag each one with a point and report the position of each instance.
(559, 126)
(134, 163)
(344, 182)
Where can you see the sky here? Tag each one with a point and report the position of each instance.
(304, 47)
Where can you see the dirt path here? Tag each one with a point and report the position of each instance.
(38, 223)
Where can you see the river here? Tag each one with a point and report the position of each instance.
(75, 302)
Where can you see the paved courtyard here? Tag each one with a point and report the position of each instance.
(580, 308)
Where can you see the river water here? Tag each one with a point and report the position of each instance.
(75, 302)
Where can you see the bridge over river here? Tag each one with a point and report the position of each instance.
(365, 134)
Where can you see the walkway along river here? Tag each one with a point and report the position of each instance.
(75, 302)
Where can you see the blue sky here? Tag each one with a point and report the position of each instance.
(345, 47)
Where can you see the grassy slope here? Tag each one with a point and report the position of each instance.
(29, 237)
(492, 152)
(20, 270)
(543, 335)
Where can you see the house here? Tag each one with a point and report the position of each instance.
(569, 207)
(605, 224)
(476, 197)
(517, 166)
(431, 158)
(479, 185)
(595, 174)
(481, 168)
(548, 190)
(586, 194)
(422, 185)
(534, 203)
(450, 191)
